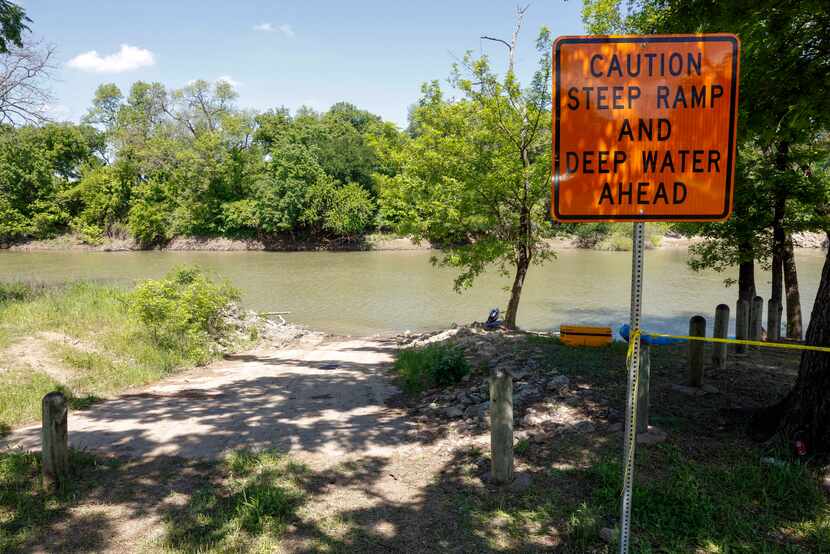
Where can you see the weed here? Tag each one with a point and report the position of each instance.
(435, 365)
(249, 512)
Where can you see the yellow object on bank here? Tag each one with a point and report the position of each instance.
(580, 335)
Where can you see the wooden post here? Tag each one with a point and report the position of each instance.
(643, 384)
(774, 310)
(54, 440)
(721, 330)
(756, 315)
(697, 328)
(741, 324)
(501, 426)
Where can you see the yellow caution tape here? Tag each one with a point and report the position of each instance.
(638, 333)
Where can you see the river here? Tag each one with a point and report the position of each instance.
(360, 293)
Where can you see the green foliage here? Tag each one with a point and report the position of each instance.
(284, 195)
(784, 113)
(697, 505)
(183, 309)
(37, 166)
(435, 365)
(257, 500)
(149, 216)
(13, 21)
(23, 505)
(126, 339)
(475, 177)
(17, 292)
(351, 211)
(161, 163)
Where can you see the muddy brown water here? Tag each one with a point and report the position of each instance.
(361, 293)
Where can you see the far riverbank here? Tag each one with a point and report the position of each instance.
(379, 242)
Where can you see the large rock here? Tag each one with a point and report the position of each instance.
(558, 383)
(583, 427)
(477, 410)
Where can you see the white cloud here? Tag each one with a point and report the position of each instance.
(230, 80)
(126, 59)
(285, 29)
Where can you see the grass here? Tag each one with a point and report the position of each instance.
(249, 512)
(24, 507)
(736, 504)
(109, 349)
(251, 500)
(434, 365)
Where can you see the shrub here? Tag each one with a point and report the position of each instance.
(352, 211)
(184, 309)
(435, 365)
(149, 217)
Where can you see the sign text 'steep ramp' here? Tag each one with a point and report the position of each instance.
(644, 127)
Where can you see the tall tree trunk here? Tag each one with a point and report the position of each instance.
(746, 273)
(804, 414)
(778, 237)
(522, 264)
(523, 256)
(794, 323)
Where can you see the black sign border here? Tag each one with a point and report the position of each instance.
(727, 209)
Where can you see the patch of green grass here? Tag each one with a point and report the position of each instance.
(129, 339)
(435, 365)
(259, 497)
(24, 506)
(20, 395)
(739, 505)
(601, 362)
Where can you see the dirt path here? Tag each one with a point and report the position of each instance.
(379, 479)
(320, 399)
(324, 400)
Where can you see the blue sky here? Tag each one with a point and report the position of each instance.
(374, 54)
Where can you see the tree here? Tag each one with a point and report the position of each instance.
(476, 177)
(785, 114)
(24, 95)
(784, 76)
(283, 195)
(37, 166)
(13, 21)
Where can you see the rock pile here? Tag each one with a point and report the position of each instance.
(241, 325)
(544, 400)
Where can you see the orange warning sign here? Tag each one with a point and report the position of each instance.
(644, 127)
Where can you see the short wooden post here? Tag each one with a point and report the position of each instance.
(756, 315)
(774, 310)
(697, 328)
(721, 330)
(644, 379)
(501, 426)
(741, 324)
(54, 440)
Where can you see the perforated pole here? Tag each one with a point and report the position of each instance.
(630, 439)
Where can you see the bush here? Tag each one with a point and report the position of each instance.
(183, 310)
(435, 365)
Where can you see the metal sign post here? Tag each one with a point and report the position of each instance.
(630, 439)
(644, 129)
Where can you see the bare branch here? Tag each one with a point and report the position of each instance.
(24, 94)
